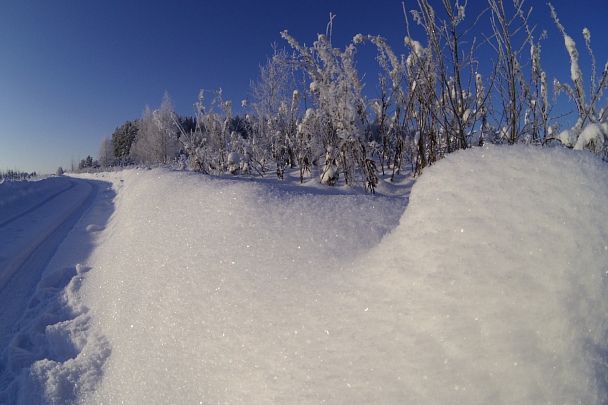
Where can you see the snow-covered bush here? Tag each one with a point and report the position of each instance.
(435, 104)
(275, 113)
(339, 111)
(208, 145)
(238, 163)
(390, 111)
(434, 99)
(449, 53)
(590, 131)
(521, 113)
(309, 146)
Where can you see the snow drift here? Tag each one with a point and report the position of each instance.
(489, 288)
(499, 270)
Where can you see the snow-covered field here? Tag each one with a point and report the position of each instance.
(172, 287)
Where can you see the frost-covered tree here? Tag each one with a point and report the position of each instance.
(415, 120)
(285, 143)
(537, 116)
(87, 164)
(275, 113)
(167, 129)
(214, 124)
(274, 85)
(381, 124)
(16, 175)
(145, 146)
(156, 141)
(106, 152)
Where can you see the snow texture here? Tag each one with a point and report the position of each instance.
(489, 288)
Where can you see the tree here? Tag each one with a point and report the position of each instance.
(122, 139)
(214, 134)
(86, 163)
(106, 152)
(156, 141)
(143, 149)
(275, 119)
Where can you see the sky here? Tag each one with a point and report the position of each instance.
(71, 71)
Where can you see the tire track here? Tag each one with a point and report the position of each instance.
(39, 230)
(35, 207)
(30, 293)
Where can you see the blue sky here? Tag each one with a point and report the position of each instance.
(71, 71)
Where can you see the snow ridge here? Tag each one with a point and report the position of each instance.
(504, 288)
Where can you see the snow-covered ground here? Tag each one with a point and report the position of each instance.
(173, 287)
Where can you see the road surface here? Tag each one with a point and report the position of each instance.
(45, 232)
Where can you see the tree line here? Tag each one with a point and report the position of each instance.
(16, 175)
(307, 112)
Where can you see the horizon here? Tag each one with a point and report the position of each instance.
(72, 73)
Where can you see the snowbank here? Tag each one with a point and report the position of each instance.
(491, 288)
(206, 288)
(497, 276)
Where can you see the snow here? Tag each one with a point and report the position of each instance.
(575, 71)
(490, 287)
(19, 196)
(417, 53)
(593, 134)
(41, 247)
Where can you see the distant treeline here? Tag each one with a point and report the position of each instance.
(16, 175)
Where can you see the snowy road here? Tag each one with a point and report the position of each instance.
(33, 227)
(29, 238)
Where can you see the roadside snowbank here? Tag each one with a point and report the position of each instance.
(491, 288)
(205, 285)
(497, 275)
